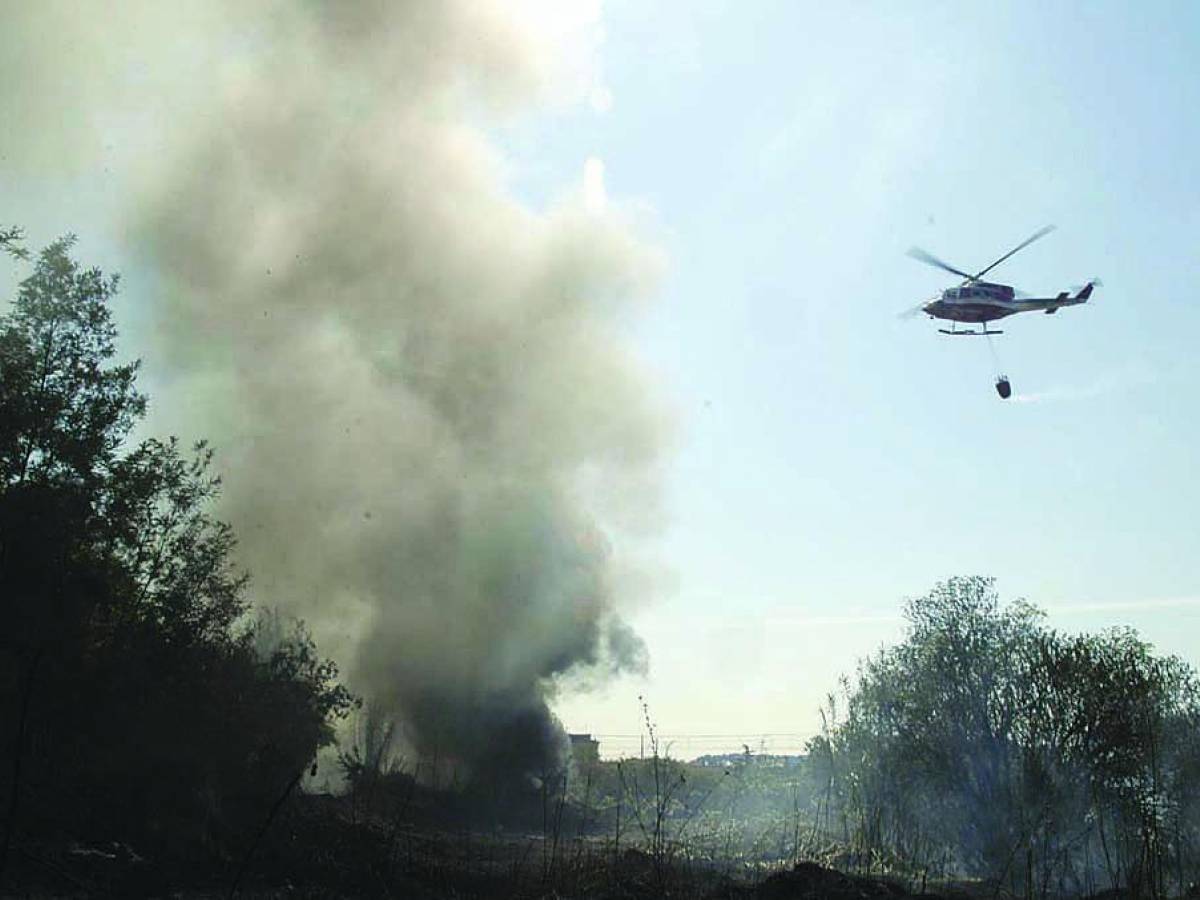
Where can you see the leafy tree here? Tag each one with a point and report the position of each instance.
(139, 700)
(1133, 722)
(1008, 750)
(65, 412)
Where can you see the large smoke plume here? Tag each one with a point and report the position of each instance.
(426, 407)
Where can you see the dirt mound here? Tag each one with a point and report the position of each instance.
(809, 880)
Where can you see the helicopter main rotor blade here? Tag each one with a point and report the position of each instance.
(930, 260)
(1040, 233)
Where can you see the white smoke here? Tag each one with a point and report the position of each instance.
(421, 389)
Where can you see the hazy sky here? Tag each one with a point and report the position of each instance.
(831, 460)
(835, 459)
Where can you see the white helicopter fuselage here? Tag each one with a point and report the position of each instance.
(982, 301)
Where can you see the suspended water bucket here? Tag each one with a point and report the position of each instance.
(1003, 388)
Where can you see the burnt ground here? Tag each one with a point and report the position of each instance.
(324, 847)
(633, 876)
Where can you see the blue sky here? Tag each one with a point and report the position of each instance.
(835, 459)
(830, 459)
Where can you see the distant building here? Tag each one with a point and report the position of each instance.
(585, 750)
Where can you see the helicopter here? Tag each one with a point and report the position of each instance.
(976, 301)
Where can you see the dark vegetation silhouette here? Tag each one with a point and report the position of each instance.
(989, 745)
(143, 702)
(155, 728)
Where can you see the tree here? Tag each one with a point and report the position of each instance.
(137, 701)
(10, 242)
(1018, 753)
(1133, 721)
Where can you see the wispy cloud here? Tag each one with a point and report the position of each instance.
(1125, 606)
(819, 621)
(787, 622)
(893, 618)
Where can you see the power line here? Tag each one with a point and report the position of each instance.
(615, 745)
(729, 736)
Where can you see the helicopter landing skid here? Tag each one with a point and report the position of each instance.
(969, 333)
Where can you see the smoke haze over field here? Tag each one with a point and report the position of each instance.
(426, 410)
